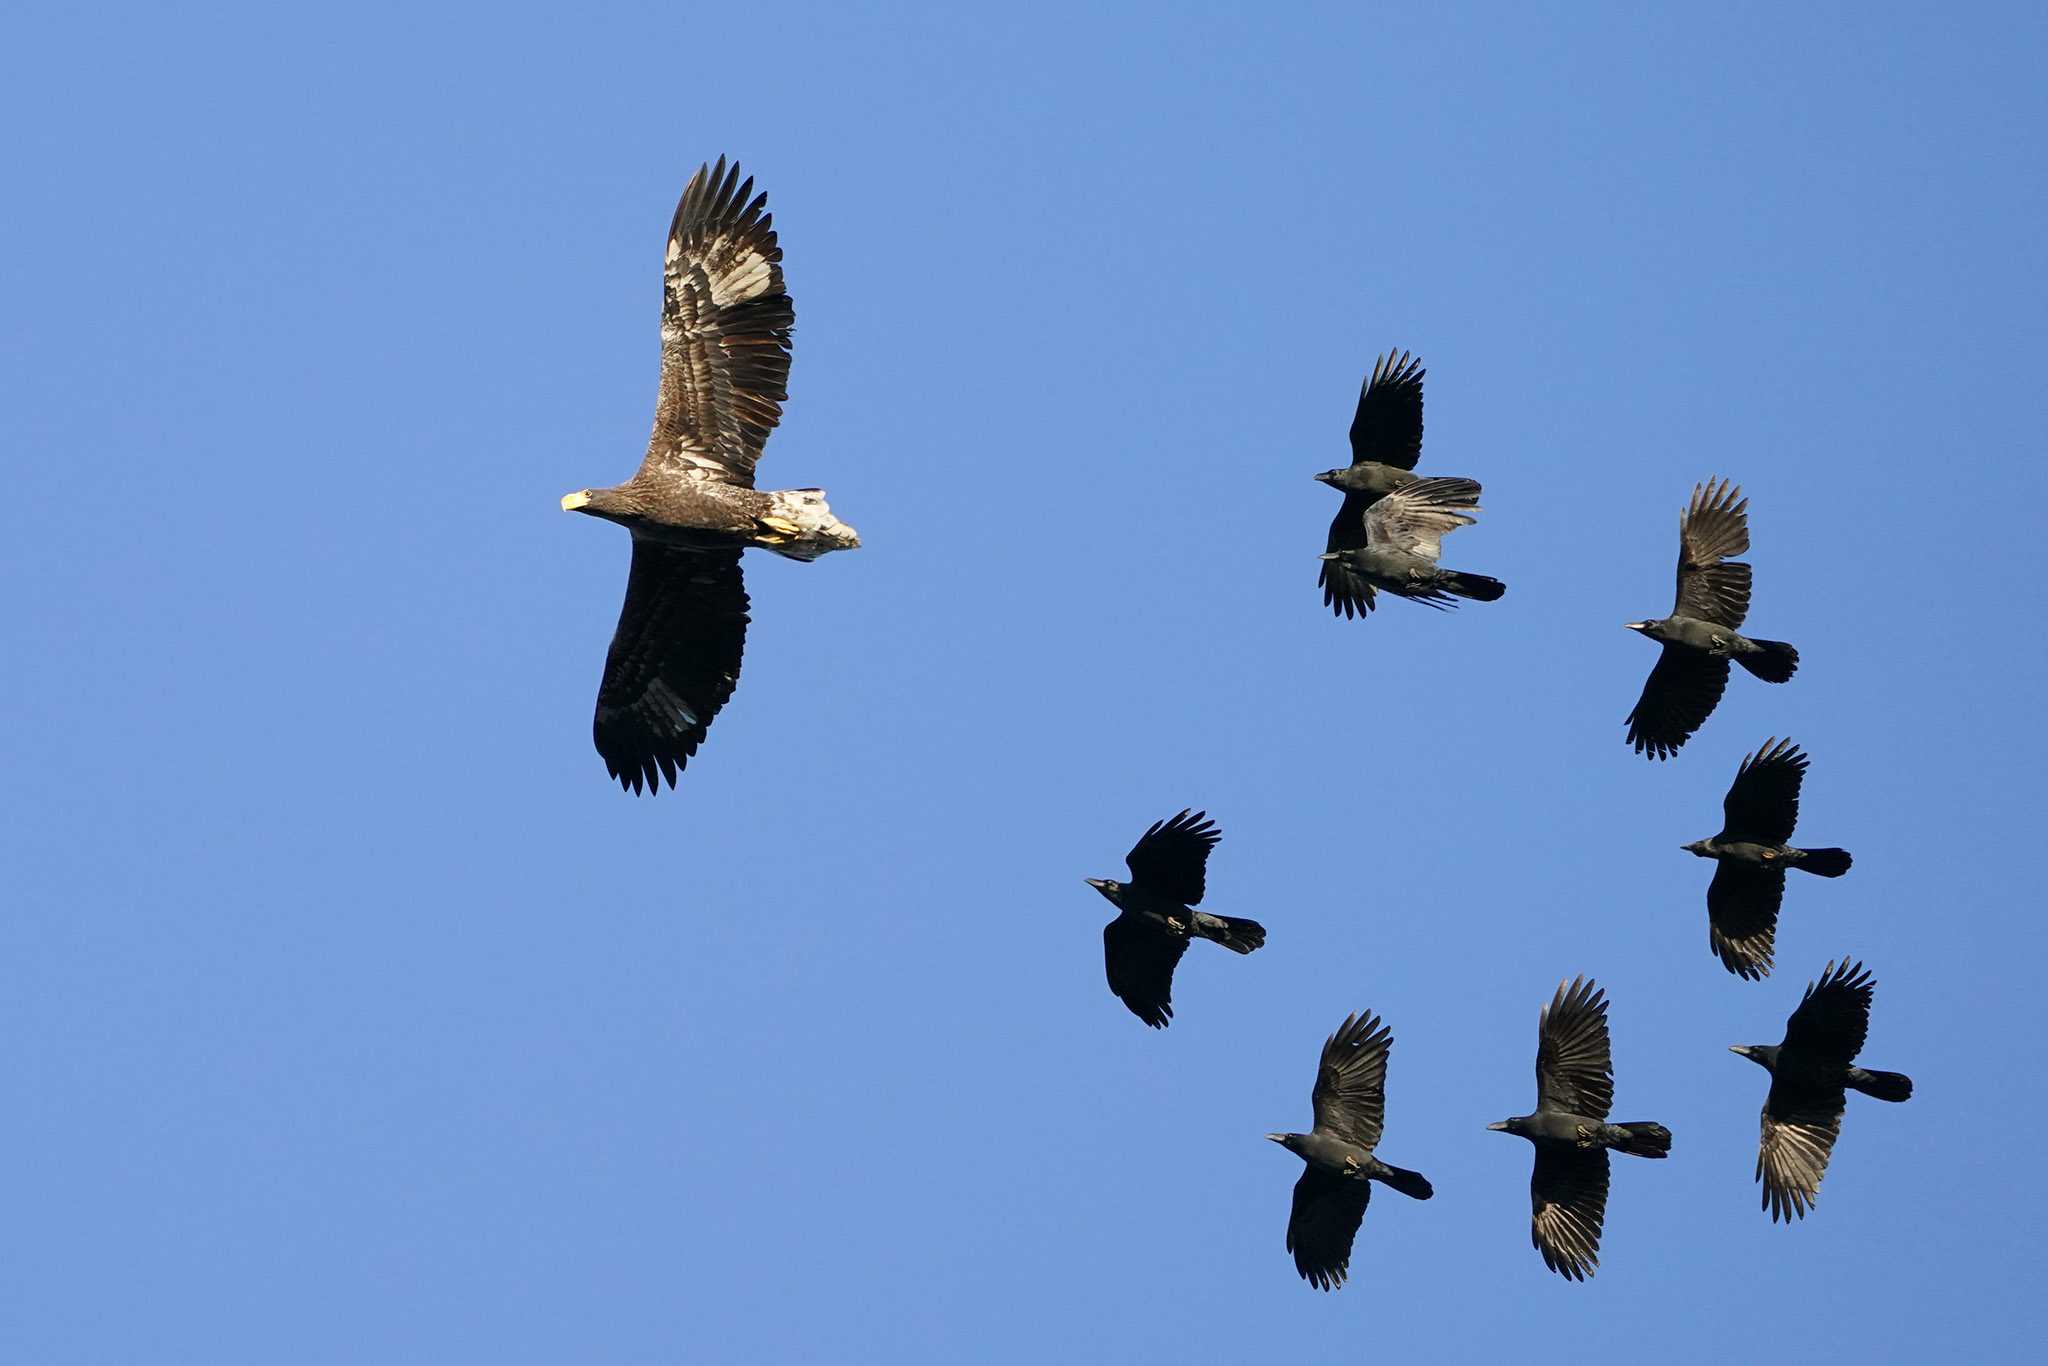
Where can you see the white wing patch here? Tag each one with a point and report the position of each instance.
(748, 276)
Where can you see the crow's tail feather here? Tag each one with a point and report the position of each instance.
(1773, 660)
(1414, 1185)
(1477, 587)
(1891, 1086)
(1239, 936)
(1644, 1139)
(1825, 862)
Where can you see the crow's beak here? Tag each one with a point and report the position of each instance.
(1324, 477)
(1327, 555)
(1634, 625)
(1097, 883)
(1499, 1128)
(1740, 1050)
(1276, 1138)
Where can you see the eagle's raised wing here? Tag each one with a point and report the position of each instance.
(725, 324)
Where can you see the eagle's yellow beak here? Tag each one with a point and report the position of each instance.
(572, 501)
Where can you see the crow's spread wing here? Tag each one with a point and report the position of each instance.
(1416, 517)
(1172, 857)
(1345, 591)
(1762, 804)
(1680, 694)
(1715, 526)
(1351, 1080)
(1323, 1224)
(1388, 426)
(1574, 1066)
(1833, 1018)
(1568, 1204)
(1800, 1126)
(1742, 917)
(1140, 959)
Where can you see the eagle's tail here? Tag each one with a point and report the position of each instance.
(799, 525)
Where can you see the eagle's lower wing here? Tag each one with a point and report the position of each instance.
(674, 661)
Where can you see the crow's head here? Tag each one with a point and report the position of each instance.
(1653, 629)
(1698, 847)
(1109, 887)
(1510, 1126)
(1764, 1055)
(1291, 1142)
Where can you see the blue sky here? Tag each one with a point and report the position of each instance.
(353, 1016)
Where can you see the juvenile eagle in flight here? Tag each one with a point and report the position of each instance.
(692, 506)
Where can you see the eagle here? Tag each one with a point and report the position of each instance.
(692, 507)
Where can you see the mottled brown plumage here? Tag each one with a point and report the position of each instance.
(692, 506)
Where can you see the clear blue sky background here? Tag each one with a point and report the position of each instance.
(351, 1015)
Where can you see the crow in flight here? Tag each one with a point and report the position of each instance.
(1143, 945)
(1329, 1200)
(1386, 441)
(1810, 1073)
(1751, 857)
(1699, 637)
(1403, 537)
(1574, 1091)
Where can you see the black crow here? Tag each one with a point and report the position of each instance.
(1574, 1091)
(1403, 535)
(1751, 857)
(1386, 441)
(1142, 946)
(692, 507)
(1810, 1071)
(1699, 636)
(1329, 1200)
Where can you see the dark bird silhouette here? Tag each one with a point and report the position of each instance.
(1350, 1103)
(1751, 857)
(1386, 441)
(1142, 946)
(692, 506)
(1404, 531)
(1699, 637)
(1574, 1091)
(1811, 1072)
